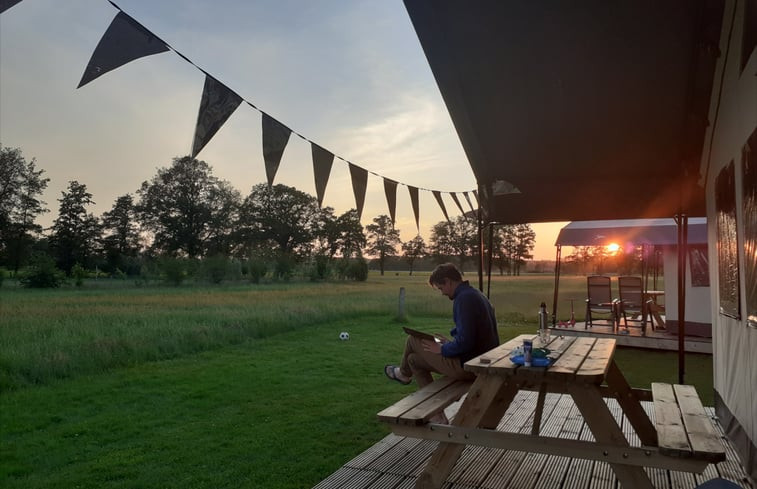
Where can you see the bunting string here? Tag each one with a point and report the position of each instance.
(126, 40)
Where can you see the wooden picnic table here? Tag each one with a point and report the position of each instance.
(585, 369)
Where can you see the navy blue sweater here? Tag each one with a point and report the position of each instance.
(475, 330)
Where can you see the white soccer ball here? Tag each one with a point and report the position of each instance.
(344, 336)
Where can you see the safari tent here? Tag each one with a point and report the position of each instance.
(592, 110)
(658, 239)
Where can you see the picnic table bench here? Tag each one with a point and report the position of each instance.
(681, 438)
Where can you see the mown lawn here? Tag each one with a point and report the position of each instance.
(236, 386)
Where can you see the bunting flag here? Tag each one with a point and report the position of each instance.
(457, 202)
(438, 196)
(217, 104)
(6, 4)
(275, 139)
(322, 161)
(359, 186)
(414, 200)
(390, 189)
(467, 198)
(124, 41)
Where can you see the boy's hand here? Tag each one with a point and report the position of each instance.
(432, 346)
(441, 338)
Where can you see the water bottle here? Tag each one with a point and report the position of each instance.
(543, 324)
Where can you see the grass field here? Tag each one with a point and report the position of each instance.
(237, 386)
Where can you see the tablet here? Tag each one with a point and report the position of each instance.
(420, 334)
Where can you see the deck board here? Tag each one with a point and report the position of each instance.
(395, 462)
(654, 340)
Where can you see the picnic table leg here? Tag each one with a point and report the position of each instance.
(600, 421)
(631, 406)
(486, 403)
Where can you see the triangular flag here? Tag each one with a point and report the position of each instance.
(467, 198)
(322, 161)
(414, 201)
(438, 196)
(124, 41)
(6, 4)
(359, 186)
(275, 139)
(457, 202)
(217, 104)
(390, 189)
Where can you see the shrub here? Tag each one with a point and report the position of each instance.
(78, 273)
(42, 273)
(284, 268)
(173, 270)
(320, 268)
(2, 276)
(358, 270)
(256, 269)
(215, 268)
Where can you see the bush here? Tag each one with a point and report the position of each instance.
(2, 276)
(173, 270)
(358, 270)
(320, 269)
(215, 268)
(256, 269)
(42, 273)
(284, 268)
(78, 273)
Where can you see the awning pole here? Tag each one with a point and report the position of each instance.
(489, 264)
(480, 222)
(682, 222)
(557, 285)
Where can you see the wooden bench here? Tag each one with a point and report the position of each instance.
(420, 406)
(683, 427)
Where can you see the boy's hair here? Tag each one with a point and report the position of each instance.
(443, 271)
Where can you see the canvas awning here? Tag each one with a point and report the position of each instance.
(630, 231)
(576, 110)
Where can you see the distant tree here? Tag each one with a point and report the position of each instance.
(343, 234)
(75, 233)
(21, 184)
(182, 207)
(525, 239)
(121, 240)
(581, 257)
(414, 250)
(281, 216)
(457, 238)
(382, 239)
(225, 202)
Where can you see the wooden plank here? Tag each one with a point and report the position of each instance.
(393, 412)
(594, 368)
(705, 442)
(671, 432)
(482, 362)
(435, 404)
(631, 406)
(571, 360)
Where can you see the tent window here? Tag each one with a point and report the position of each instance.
(749, 160)
(728, 262)
(699, 265)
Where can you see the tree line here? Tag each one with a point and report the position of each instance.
(186, 221)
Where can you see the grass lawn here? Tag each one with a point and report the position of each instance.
(239, 386)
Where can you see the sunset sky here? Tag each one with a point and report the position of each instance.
(350, 76)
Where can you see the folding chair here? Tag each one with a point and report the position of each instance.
(632, 301)
(600, 299)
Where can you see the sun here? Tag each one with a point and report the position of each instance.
(613, 247)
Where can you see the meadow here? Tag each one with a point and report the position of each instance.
(229, 386)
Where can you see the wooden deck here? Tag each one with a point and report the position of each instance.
(654, 340)
(395, 462)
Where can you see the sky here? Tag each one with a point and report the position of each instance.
(349, 76)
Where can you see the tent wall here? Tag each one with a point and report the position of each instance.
(733, 125)
(698, 305)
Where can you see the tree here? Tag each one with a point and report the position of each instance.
(382, 239)
(21, 184)
(281, 216)
(178, 206)
(413, 250)
(121, 242)
(458, 238)
(525, 239)
(75, 233)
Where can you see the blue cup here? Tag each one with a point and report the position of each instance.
(528, 346)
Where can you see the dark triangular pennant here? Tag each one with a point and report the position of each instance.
(457, 202)
(275, 139)
(467, 198)
(438, 196)
(217, 104)
(6, 4)
(322, 161)
(359, 186)
(124, 41)
(390, 189)
(414, 201)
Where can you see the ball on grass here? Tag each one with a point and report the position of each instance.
(344, 336)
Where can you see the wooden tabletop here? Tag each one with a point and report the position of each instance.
(581, 360)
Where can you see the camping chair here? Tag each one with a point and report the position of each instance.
(632, 301)
(600, 299)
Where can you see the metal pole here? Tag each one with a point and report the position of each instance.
(682, 222)
(557, 285)
(491, 254)
(480, 221)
